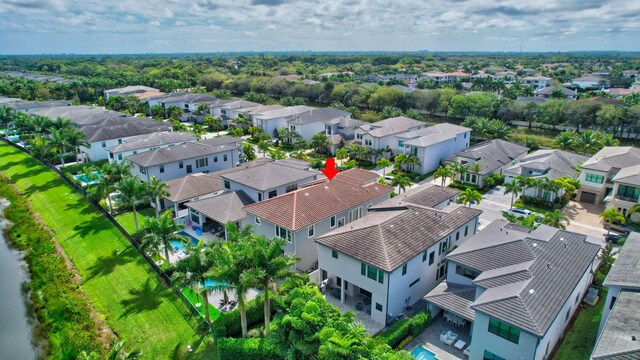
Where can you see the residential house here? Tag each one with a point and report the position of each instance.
(80, 115)
(340, 130)
(493, 156)
(394, 256)
(433, 144)
(211, 214)
(445, 77)
(553, 91)
(587, 81)
(300, 216)
(273, 120)
(537, 100)
(626, 189)
(312, 122)
(599, 171)
(129, 90)
(186, 101)
(146, 142)
(176, 161)
(30, 106)
(383, 134)
(620, 323)
(518, 289)
(536, 82)
(551, 164)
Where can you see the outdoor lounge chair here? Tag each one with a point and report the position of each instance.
(448, 337)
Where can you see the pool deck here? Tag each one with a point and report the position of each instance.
(430, 340)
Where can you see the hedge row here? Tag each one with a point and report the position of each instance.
(402, 328)
(228, 324)
(251, 348)
(79, 167)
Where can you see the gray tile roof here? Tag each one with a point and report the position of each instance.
(427, 195)
(626, 268)
(528, 279)
(394, 236)
(22, 105)
(491, 155)
(239, 104)
(613, 157)
(320, 114)
(289, 111)
(80, 115)
(433, 134)
(346, 122)
(553, 164)
(153, 139)
(390, 126)
(185, 151)
(223, 208)
(616, 342)
(550, 89)
(629, 175)
(270, 176)
(537, 100)
(8, 100)
(118, 128)
(185, 97)
(454, 298)
(131, 90)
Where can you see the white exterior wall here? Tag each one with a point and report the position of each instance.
(141, 150)
(253, 193)
(98, 152)
(173, 171)
(614, 291)
(309, 129)
(431, 156)
(599, 189)
(268, 125)
(483, 340)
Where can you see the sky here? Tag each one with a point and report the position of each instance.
(173, 26)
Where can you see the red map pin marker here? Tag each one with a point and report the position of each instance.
(330, 168)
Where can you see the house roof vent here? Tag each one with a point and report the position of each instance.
(549, 265)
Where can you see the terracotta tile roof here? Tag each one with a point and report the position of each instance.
(309, 205)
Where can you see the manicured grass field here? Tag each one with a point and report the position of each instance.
(124, 289)
(580, 340)
(213, 312)
(126, 219)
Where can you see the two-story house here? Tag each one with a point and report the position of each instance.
(493, 156)
(392, 257)
(311, 122)
(516, 290)
(598, 172)
(536, 82)
(30, 106)
(147, 142)
(272, 120)
(620, 323)
(626, 189)
(301, 215)
(176, 161)
(129, 90)
(383, 134)
(433, 144)
(560, 91)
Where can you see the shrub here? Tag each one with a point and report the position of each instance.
(462, 186)
(78, 168)
(395, 333)
(536, 201)
(228, 324)
(251, 348)
(493, 179)
(419, 322)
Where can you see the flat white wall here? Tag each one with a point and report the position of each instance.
(268, 125)
(253, 193)
(309, 129)
(483, 340)
(173, 171)
(614, 291)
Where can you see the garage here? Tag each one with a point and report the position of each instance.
(588, 197)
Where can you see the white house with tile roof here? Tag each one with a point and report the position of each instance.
(146, 142)
(599, 171)
(383, 134)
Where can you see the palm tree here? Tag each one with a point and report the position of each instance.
(456, 168)
(158, 233)
(402, 182)
(59, 143)
(475, 168)
(39, 124)
(40, 147)
(443, 172)
(342, 154)
(363, 153)
(564, 140)
(242, 121)
(609, 140)
(469, 196)
(512, 188)
(587, 141)
(157, 189)
(277, 154)
(191, 272)
(411, 162)
(272, 266)
(384, 163)
(399, 161)
(556, 219)
(75, 138)
(524, 182)
(353, 150)
(610, 215)
(7, 116)
(300, 143)
(263, 146)
(320, 142)
(132, 191)
(61, 123)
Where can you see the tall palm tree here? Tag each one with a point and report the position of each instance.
(399, 161)
(191, 272)
(402, 182)
(39, 124)
(353, 150)
(75, 138)
(411, 162)
(242, 121)
(342, 153)
(157, 189)
(564, 140)
(263, 146)
(7, 116)
(112, 173)
(59, 143)
(512, 188)
(475, 168)
(456, 168)
(132, 191)
(610, 215)
(469, 196)
(158, 233)
(555, 219)
(443, 172)
(384, 163)
(40, 147)
(272, 266)
(61, 123)
(588, 141)
(363, 153)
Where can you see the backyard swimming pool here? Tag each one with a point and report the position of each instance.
(84, 180)
(194, 241)
(421, 353)
(178, 246)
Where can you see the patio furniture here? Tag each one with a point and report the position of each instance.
(467, 351)
(335, 292)
(448, 337)
(448, 316)
(459, 344)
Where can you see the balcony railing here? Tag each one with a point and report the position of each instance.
(628, 199)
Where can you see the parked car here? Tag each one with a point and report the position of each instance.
(613, 238)
(518, 212)
(617, 227)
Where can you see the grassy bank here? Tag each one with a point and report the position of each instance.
(65, 326)
(124, 289)
(126, 219)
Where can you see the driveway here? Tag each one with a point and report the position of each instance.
(585, 218)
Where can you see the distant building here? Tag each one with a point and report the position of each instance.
(551, 91)
(537, 82)
(129, 90)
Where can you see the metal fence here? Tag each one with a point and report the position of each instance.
(167, 280)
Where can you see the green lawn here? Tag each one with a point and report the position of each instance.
(213, 312)
(580, 340)
(126, 219)
(124, 289)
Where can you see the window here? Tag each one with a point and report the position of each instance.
(189, 169)
(414, 282)
(566, 317)
(504, 330)
(341, 222)
(104, 144)
(442, 270)
(283, 233)
(363, 269)
(273, 193)
(227, 184)
(202, 162)
(368, 142)
(355, 214)
(432, 256)
(466, 230)
(257, 220)
(444, 245)
(119, 156)
(142, 169)
(400, 143)
(291, 188)
(457, 235)
(224, 157)
(424, 256)
(135, 152)
(404, 269)
(613, 302)
(468, 273)
(311, 230)
(488, 355)
(119, 141)
(628, 192)
(378, 307)
(372, 272)
(215, 159)
(359, 136)
(598, 179)
(180, 165)
(161, 169)
(292, 127)
(259, 196)
(332, 222)
(195, 216)
(334, 254)
(577, 297)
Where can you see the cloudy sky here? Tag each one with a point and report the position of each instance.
(160, 26)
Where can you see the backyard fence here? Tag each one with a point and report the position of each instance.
(167, 280)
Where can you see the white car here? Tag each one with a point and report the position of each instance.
(518, 212)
